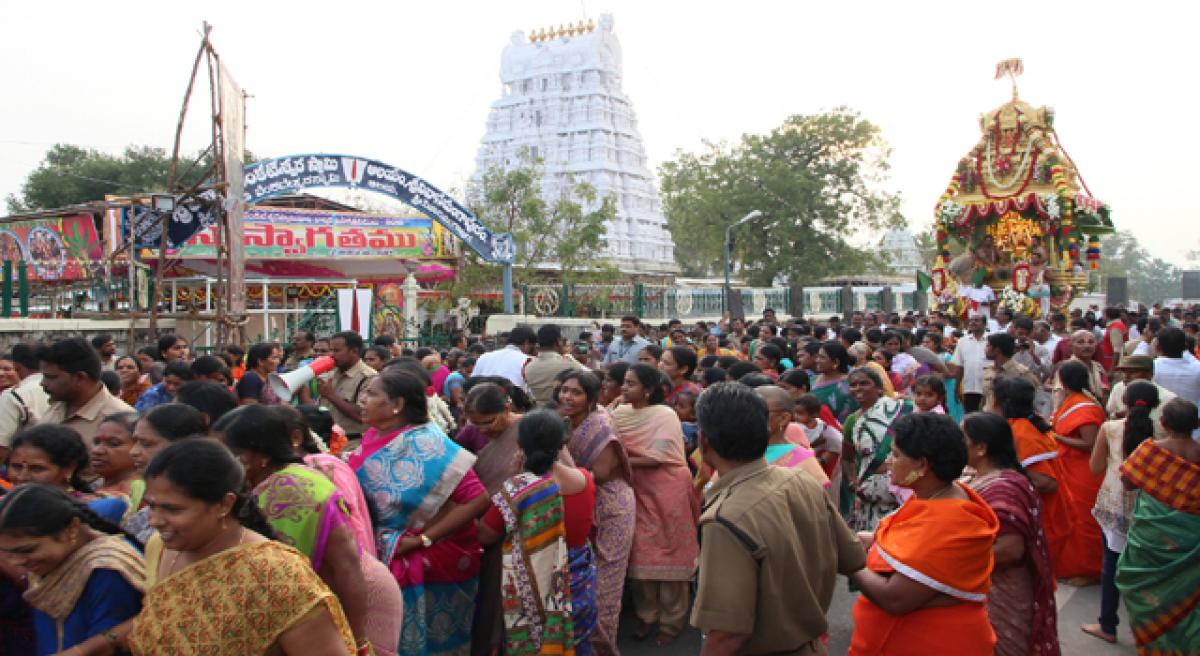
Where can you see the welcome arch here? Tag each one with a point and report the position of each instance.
(293, 173)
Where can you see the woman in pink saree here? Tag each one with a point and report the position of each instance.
(663, 558)
(595, 445)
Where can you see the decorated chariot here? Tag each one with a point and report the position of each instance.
(1028, 226)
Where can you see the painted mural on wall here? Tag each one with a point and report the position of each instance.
(64, 248)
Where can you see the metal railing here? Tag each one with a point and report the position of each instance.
(662, 301)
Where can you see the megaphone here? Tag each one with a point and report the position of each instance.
(285, 385)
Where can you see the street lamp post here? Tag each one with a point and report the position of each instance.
(728, 247)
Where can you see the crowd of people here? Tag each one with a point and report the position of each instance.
(509, 495)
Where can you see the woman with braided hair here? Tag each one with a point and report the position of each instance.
(1076, 424)
(85, 577)
(54, 454)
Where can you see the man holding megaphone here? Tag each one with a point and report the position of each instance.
(343, 393)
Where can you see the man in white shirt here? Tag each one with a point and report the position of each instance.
(968, 362)
(1144, 344)
(26, 402)
(1003, 322)
(509, 361)
(1175, 372)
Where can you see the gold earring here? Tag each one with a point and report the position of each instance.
(223, 522)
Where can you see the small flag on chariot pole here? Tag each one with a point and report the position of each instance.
(1012, 68)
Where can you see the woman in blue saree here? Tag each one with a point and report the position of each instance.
(428, 498)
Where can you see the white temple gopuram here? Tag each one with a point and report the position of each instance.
(562, 100)
(900, 250)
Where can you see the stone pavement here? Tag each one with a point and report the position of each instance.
(1075, 606)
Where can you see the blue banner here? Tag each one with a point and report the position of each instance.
(286, 175)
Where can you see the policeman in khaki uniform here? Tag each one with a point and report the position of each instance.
(771, 542)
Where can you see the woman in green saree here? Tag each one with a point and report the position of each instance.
(831, 383)
(302, 506)
(1157, 573)
(866, 444)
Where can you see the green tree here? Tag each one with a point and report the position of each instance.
(1151, 279)
(565, 234)
(71, 174)
(816, 178)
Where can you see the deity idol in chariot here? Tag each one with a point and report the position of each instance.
(1027, 226)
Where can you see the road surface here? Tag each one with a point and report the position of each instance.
(1075, 606)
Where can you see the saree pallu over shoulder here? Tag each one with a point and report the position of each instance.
(653, 432)
(595, 433)
(1033, 446)
(1077, 410)
(235, 603)
(536, 591)
(303, 507)
(1158, 574)
(869, 431)
(1171, 480)
(57, 593)
(664, 540)
(1038, 453)
(947, 546)
(343, 478)
(410, 478)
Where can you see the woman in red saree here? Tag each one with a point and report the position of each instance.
(1021, 602)
(1076, 424)
(664, 552)
(1037, 451)
(930, 563)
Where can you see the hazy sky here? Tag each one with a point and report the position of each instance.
(410, 83)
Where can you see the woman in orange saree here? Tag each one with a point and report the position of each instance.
(1037, 451)
(665, 547)
(930, 563)
(1076, 424)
